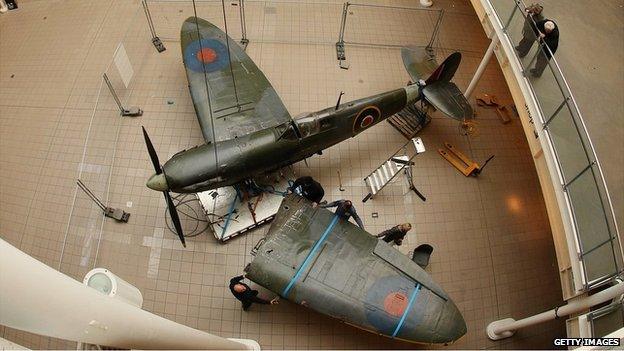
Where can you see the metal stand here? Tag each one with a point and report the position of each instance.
(401, 160)
(115, 213)
(340, 50)
(410, 182)
(241, 8)
(132, 111)
(340, 44)
(155, 39)
(234, 210)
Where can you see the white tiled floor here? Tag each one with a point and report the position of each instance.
(493, 250)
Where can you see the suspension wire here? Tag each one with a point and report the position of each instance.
(149, 18)
(227, 42)
(212, 126)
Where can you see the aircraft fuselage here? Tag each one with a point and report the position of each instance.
(198, 169)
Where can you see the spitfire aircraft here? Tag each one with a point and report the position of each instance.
(247, 129)
(312, 257)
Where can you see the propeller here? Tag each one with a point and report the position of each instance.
(170, 206)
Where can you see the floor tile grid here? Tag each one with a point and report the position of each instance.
(277, 341)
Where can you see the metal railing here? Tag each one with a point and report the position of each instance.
(581, 179)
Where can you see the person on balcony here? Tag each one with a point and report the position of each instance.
(529, 30)
(549, 33)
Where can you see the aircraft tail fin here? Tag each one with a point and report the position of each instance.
(438, 89)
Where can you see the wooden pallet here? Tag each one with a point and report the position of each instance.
(409, 121)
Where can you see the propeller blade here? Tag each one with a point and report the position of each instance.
(152, 152)
(174, 217)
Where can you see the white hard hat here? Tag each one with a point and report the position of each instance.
(549, 25)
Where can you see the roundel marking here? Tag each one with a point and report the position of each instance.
(206, 55)
(365, 118)
(210, 54)
(395, 303)
(387, 299)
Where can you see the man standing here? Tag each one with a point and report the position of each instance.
(549, 33)
(345, 210)
(246, 295)
(529, 31)
(395, 234)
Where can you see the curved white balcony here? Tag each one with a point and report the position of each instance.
(582, 219)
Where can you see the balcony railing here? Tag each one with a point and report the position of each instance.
(564, 135)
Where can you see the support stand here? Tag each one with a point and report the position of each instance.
(241, 8)
(340, 49)
(410, 182)
(155, 39)
(132, 111)
(114, 213)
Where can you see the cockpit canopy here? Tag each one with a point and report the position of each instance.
(304, 125)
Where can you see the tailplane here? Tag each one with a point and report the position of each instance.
(437, 87)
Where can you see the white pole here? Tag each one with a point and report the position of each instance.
(482, 66)
(505, 328)
(38, 299)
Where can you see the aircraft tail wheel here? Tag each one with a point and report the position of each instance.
(468, 128)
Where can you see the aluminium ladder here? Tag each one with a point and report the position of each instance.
(387, 171)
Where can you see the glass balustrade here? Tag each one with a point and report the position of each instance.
(582, 181)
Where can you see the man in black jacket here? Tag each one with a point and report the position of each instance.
(246, 295)
(548, 31)
(345, 210)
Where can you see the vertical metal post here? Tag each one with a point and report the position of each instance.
(244, 41)
(112, 91)
(126, 112)
(160, 47)
(482, 66)
(340, 51)
(436, 29)
(510, 17)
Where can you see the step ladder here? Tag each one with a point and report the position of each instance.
(410, 120)
(387, 171)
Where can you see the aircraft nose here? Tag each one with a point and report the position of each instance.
(452, 325)
(158, 182)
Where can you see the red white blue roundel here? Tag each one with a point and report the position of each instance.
(366, 118)
(209, 53)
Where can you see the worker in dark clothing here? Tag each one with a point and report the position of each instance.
(246, 295)
(395, 234)
(345, 210)
(529, 31)
(549, 33)
(308, 188)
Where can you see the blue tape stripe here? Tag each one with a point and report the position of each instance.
(407, 309)
(310, 255)
(227, 220)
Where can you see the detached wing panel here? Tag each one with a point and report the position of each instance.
(207, 64)
(336, 268)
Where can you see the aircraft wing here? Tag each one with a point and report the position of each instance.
(205, 57)
(313, 258)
